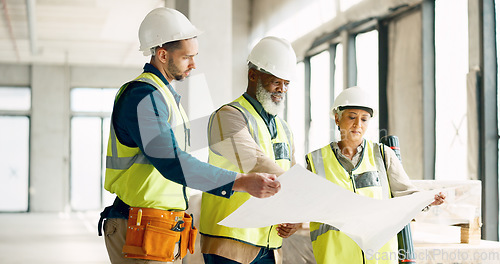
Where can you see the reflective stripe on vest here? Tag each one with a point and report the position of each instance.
(329, 244)
(177, 116)
(131, 176)
(323, 228)
(122, 163)
(214, 208)
(251, 122)
(319, 167)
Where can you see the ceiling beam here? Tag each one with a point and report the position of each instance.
(9, 27)
(30, 13)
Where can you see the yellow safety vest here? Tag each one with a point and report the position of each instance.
(131, 176)
(331, 245)
(214, 208)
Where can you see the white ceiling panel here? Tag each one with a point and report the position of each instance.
(75, 32)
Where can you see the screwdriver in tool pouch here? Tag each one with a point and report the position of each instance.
(139, 217)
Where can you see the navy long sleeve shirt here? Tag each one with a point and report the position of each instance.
(141, 108)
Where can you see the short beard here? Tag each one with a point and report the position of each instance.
(264, 97)
(176, 73)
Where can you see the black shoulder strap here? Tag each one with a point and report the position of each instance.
(378, 148)
(382, 153)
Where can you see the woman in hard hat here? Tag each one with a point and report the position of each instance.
(358, 165)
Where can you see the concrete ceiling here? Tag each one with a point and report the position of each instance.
(73, 32)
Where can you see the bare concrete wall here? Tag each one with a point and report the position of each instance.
(50, 123)
(49, 145)
(268, 14)
(102, 77)
(215, 48)
(405, 82)
(14, 75)
(241, 46)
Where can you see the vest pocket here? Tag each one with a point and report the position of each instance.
(281, 151)
(160, 242)
(367, 179)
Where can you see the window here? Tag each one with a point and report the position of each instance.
(338, 82)
(15, 104)
(497, 19)
(15, 99)
(367, 73)
(319, 131)
(295, 113)
(92, 100)
(338, 76)
(451, 71)
(86, 164)
(346, 4)
(91, 109)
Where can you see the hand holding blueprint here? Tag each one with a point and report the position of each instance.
(307, 197)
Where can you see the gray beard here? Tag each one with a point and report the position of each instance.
(264, 97)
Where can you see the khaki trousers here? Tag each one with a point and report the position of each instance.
(115, 230)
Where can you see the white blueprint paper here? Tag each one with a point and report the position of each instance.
(307, 197)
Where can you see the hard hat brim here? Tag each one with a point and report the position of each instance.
(194, 34)
(367, 109)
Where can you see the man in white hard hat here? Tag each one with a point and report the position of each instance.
(246, 136)
(148, 165)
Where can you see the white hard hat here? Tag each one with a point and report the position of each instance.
(355, 97)
(276, 56)
(163, 25)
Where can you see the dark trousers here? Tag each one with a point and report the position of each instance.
(265, 256)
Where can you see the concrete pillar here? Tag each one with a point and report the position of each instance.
(241, 47)
(215, 50)
(49, 148)
(210, 84)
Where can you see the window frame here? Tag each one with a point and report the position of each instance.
(102, 115)
(22, 113)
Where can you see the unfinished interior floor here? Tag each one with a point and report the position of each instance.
(51, 238)
(44, 238)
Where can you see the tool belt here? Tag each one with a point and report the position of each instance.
(153, 234)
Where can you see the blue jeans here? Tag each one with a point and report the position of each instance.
(265, 256)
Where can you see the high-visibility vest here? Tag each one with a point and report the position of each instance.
(214, 208)
(331, 245)
(130, 175)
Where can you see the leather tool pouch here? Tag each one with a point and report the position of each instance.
(188, 236)
(152, 237)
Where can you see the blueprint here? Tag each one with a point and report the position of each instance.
(307, 197)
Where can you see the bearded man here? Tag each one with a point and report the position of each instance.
(246, 135)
